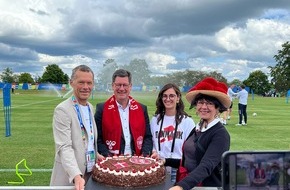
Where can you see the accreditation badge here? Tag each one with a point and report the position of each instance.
(91, 158)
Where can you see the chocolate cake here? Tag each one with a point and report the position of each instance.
(129, 171)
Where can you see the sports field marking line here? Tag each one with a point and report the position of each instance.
(23, 170)
(32, 103)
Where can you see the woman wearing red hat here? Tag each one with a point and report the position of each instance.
(203, 149)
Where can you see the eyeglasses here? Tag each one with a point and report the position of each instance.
(117, 85)
(208, 104)
(170, 96)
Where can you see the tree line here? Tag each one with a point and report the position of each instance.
(52, 74)
(257, 81)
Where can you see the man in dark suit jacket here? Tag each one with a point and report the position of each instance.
(122, 122)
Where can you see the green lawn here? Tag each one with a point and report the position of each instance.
(31, 131)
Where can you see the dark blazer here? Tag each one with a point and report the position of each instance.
(209, 149)
(102, 148)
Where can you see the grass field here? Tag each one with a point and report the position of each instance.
(31, 130)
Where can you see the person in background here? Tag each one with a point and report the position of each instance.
(275, 175)
(170, 126)
(231, 94)
(260, 176)
(243, 101)
(122, 122)
(227, 113)
(13, 88)
(250, 172)
(203, 149)
(75, 133)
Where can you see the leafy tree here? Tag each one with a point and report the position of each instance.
(236, 82)
(218, 76)
(105, 75)
(140, 71)
(187, 77)
(281, 71)
(180, 78)
(258, 81)
(176, 78)
(53, 74)
(37, 79)
(7, 75)
(25, 78)
(16, 78)
(190, 78)
(158, 80)
(66, 79)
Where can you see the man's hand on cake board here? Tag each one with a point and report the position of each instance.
(79, 182)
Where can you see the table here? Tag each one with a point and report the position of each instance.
(93, 185)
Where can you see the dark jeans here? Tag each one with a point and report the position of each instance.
(242, 112)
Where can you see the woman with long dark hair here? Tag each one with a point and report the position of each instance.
(170, 126)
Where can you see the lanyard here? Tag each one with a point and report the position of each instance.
(82, 126)
(175, 130)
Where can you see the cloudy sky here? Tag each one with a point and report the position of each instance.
(233, 37)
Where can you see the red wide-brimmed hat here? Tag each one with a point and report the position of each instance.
(211, 87)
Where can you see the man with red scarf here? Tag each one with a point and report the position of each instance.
(122, 122)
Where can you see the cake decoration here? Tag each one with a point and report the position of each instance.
(129, 171)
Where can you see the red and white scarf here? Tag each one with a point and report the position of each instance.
(112, 126)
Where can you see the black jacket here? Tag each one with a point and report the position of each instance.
(208, 155)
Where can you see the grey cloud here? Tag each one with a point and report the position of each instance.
(16, 54)
(39, 12)
(182, 29)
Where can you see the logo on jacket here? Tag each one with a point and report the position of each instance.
(110, 144)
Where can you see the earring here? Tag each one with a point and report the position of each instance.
(216, 115)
